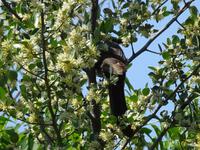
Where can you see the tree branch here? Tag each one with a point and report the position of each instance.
(6, 4)
(158, 8)
(28, 71)
(145, 47)
(91, 73)
(94, 15)
(48, 88)
(188, 101)
(9, 92)
(153, 52)
(143, 124)
(180, 24)
(160, 105)
(183, 81)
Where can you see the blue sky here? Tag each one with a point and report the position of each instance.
(138, 73)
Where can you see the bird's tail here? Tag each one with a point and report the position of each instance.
(117, 97)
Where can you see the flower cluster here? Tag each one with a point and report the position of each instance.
(6, 49)
(78, 52)
(94, 94)
(64, 14)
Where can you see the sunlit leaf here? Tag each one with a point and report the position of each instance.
(2, 92)
(166, 55)
(146, 91)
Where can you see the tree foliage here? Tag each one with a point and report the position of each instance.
(50, 92)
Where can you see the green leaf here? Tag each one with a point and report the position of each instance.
(22, 141)
(13, 135)
(32, 32)
(146, 91)
(134, 98)
(39, 64)
(153, 76)
(129, 66)
(130, 87)
(125, 15)
(168, 41)
(126, 5)
(189, 21)
(23, 91)
(169, 83)
(174, 133)
(113, 4)
(86, 17)
(167, 13)
(30, 142)
(2, 92)
(107, 26)
(152, 68)
(53, 42)
(3, 121)
(31, 66)
(146, 130)
(97, 34)
(108, 11)
(166, 55)
(175, 39)
(156, 129)
(83, 82)
(1, 64)
(193, 11)
(12, 75)
(26, 78)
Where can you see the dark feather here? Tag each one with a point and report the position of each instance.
(113, 62)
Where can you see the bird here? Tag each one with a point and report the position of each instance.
(113, 62)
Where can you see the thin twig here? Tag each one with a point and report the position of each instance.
(48, 88)
(153, 52)
(183, 81)
(132, 48)
(17, 95)
(55, 30)
(187, 102)
(145, 47)
(117, 145)
(29, 71)
(53, 82)
(9, 92)
(34, 123)
(180, 24)
(158, 8)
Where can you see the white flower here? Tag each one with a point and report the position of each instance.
(126, 39)
(19, 114)
(66, 6)
(32, 118)
(5, 23)
(123, 21)
(105, 135)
